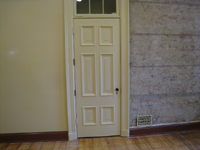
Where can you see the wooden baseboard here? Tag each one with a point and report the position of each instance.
(34, 136)
(161, 129)
(63, 135)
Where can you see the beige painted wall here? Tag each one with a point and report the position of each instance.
(32, 67)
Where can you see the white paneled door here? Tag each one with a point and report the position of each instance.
(97, 75)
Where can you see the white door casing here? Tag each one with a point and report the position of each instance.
(70, 81)
(97, 74)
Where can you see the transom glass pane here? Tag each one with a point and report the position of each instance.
(82, 6)
(109, 6)
(96, 6)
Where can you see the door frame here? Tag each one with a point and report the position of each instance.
(69, 68)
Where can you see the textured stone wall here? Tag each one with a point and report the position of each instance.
(165, 60)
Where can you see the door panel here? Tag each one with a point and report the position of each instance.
(88, 73)
(107, 74)
(97, 74)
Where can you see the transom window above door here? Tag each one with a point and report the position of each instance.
(96, 8)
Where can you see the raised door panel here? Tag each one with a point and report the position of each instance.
(107, 115)
(87, 35)
(88, 75)
(89, 115)
(106, 35)
(107, 74)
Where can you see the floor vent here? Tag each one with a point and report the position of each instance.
(144, 120)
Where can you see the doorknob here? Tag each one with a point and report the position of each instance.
(117, 89)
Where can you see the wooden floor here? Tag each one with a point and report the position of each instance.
(176, 141)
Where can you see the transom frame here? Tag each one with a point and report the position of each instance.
(116, 15)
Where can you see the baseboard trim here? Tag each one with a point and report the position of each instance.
(124, 132)
(34, 136)
(72, 136)
(161, 129)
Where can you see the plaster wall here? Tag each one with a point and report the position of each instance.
(165, 60)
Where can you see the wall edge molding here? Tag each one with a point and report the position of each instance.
(33, 136)
(166, 128)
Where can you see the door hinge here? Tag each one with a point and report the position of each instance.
(74, 92)
(74, 62)
(76, 121)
